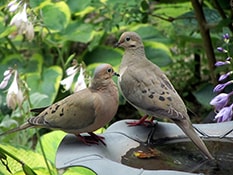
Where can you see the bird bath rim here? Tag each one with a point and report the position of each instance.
(106, 159)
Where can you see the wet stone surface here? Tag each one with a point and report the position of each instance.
(182, 156)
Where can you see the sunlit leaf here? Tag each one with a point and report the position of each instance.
(78, 171)
(204, 95)
(158, 53)
(46, 83)
(78, 6)
(50, 144)
(103, 54)
(77, 31)
(150, 33)
(29, 157)
(27, 170)
(56, 16)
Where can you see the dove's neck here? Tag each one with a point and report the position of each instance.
(102, 85)
(133, 55)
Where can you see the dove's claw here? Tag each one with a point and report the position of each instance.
(142, 121)
(92, 139)
(97, 138)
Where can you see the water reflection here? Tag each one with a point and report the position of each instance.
(182, 156)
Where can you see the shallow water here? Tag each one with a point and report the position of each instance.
(183, 156)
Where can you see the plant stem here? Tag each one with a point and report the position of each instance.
(43, 152)
(205, 34)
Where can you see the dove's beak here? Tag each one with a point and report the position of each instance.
(116, 74)
(117, 44)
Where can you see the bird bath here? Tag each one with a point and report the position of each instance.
(171, 151)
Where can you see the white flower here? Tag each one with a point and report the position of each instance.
(14, 95)
(13, 5)
(20, 17)
(23, 25)
(7, 75)
(29, 33)
(80, 84)
(67, 82)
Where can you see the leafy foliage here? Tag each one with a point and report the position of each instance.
(86, 31)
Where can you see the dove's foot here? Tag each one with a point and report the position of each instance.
(97, 138)
(92, 139)
(143, 121)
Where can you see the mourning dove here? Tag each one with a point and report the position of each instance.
(84, 111)
(146, 87)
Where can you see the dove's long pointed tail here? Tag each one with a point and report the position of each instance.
(187, 128)
(21, 127)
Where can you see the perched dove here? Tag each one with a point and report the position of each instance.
(84, 111)
(147, 88)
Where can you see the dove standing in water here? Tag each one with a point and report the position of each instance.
(146, 87)
(84, 111)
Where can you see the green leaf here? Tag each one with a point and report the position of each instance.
(151, 33)
(79, 171)
(37, 98)
(204, 95)
(103, 54)
(30, 158)
(158, 53)
(27, 170)
(56, 16)
(34, 64)
(36, 3)
(50, 144)
(78, 31)
(46, 83)
(78, 6)
(96, 40)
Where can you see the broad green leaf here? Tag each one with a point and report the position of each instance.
(158, 53)
(37, 98)
(56, 16)
(34, 64)
(78, 6)
(103, 54)
(204, 95)
(32, 159)
(187, 23)
(46, 83)
(78, 171)
(150, 33)
(96, 40)
(78, 31)
(36, 3)
(27, 170)
(50, 144)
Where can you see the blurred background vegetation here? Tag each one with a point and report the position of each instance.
(179, 36)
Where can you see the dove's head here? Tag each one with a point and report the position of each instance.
(104, 72)
(103, 76)
(130, 40)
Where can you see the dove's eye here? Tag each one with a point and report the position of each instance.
(109, 70)
(127, 38)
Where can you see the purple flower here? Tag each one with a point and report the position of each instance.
(220, 101)
(220, 87)
(220, 49)
(224, 76)
(225, 114)
(226, 38)
(221, 63)
(228, 58)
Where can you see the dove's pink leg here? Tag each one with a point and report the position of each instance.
(92, 139)
(142, 121)
(97, 137)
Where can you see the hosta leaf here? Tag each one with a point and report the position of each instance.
(46, 83)
(56, 16)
